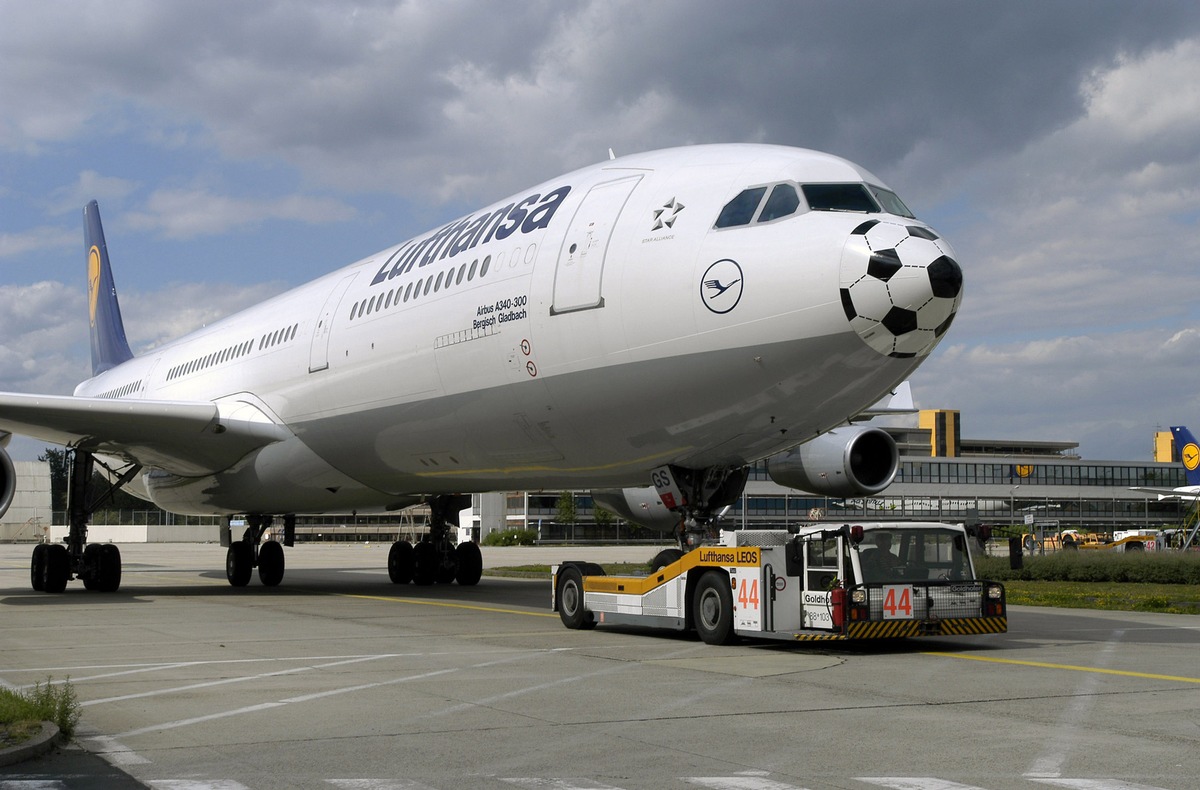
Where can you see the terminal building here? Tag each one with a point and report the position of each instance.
(942, 477)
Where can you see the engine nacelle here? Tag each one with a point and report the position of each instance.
(851, 461)
(8, 481)
(640, 505)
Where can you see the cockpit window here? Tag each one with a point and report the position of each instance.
(890, 201)
(740, 210)
(782, 202)
(839, 197)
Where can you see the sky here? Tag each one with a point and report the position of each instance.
(239, 149)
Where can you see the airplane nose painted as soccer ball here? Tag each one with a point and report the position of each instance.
(900, 286)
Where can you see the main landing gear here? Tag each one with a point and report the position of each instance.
(435, 558)
(97, 565)
(244, 555)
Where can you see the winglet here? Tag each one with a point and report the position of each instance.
(109, 346)
(1189, 453)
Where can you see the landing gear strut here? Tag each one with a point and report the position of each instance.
(97, 565)
(435, 558)
(250, 552)
(705, 493)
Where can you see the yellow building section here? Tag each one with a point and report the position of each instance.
(1164, 448)
(945, 436)
(705, 556)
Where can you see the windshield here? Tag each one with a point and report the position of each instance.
(919, 554)
(891, 202)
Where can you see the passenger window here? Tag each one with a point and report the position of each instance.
(783, 201)
(839, 197)
(740, 210)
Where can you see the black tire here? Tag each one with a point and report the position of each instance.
(665, 558)
(425, 563)
(270, 563)
(107, 574)
(712, 609)
(37, 568)
(1135, 545)
(58, 568)
(470, 563)
(91, 566)
(400, 562)
(570, 600)
(239, 563)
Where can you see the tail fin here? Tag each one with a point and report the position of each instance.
(1189, 453)
(109, 346)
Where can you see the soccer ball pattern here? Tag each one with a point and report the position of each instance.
(900, 287)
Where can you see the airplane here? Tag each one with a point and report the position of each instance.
(565, 337)
(1189, 454)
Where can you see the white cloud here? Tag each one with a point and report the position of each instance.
(46, 237)
(186, 214)
(91, 186)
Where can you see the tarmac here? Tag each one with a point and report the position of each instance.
(339, 679)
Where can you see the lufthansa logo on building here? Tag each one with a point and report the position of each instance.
(721, 286)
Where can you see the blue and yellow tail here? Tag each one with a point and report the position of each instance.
(109, 346)
(1189, 453)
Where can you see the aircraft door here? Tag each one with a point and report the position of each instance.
(318, 354)
(579, 273)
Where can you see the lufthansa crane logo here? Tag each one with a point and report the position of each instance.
(1191, 456)
(93, 281)
(721, 286)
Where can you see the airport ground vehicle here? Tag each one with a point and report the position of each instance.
(823, 582)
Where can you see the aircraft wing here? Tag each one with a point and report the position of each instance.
(1185, 492)
(181, 437)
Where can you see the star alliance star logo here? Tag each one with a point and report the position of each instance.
(665, 217)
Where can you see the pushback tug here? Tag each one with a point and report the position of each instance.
(823, 582)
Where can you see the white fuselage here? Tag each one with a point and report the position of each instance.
(569, 337)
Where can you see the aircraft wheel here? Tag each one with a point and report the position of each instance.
(58, 568)
(470, 563)
(425, 563)
(110, 568)
(91, 566)
(37, 568)
(102, 567)
(570, 600)
(400, 562)
(665, 558)
(239, 563)
(270, 563)
(712, 609)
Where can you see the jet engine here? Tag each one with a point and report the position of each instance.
(8, 480)
(640, 505)
(851, 461)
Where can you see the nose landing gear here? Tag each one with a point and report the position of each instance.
(701, 495)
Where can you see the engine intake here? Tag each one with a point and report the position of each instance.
(8, 482)
(851, 461)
